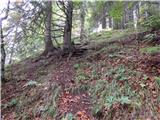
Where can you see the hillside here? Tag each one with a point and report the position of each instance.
(116, 77)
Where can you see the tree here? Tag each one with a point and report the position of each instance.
(104, 16)
(67, 43)
(13, 44)
(3, 54)
(117, 13)
(82, 19)
(38, 23)
(48, 22)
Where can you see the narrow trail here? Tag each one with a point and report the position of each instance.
(77, 103)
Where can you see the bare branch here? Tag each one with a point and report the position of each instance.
(59, 15)
(7, 11)
(63, 8)
(58, 30)
(58, 25)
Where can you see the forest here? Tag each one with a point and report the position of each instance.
(80, 60)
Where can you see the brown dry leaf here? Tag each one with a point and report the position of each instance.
(79, 113)
(37, 118)
(72, 100)
(82, 115)
(158, 109)
(148, 119)
(83, 95)
(77, 97)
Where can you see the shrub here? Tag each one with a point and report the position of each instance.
(152, 22)
(69, 116)
(150, 37)
(108, 94)
(157, 79)
(150, 50)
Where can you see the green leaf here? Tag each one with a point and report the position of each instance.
(70, 116)
(13, 102)
(110, 100)
(31, 83)
(142, 85)
(124, 100)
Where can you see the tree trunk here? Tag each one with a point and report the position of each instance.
(115, 24)
(48, 38)
(104, 16)
(67, 44)
(110, 22)
(12, 48)
(3, 55)
(125, 15)
(104, 22)
(82, 17)
(159, 8)
(122, 23)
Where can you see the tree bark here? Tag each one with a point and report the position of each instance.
(104, 23)
(67, 44)
(82, 18)
(12, 48)
(3, 53)
(110, 22)
(159, 8)
(104, 16)
(48, 22)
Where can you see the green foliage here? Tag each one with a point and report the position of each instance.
(76, 4)
(117, 11)
(97, 8)
(51, 111)
(77, 66)
(107, 94)
(81, 76)
(12, 103)
(51, 107)
(149, 37)
(120, 73)
(124, 100)
(82, 65)
(111, 100)
(112, 35)
(145, 77)
(157, 79)
(117, 73)
(31, 83)
(150, 50)
(94, 74)
(69, 116)
(130, 4)
(151, 22)
(130, 24)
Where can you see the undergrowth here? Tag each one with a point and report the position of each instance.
(105, 93)
(110, 35)
(151, 50)
(35, 102)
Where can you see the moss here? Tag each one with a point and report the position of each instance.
(150, 50)
(109, 35)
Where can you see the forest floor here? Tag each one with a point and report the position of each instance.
(115, 79)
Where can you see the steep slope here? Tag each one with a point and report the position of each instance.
(115, 78)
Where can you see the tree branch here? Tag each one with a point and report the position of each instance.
(7, 11)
